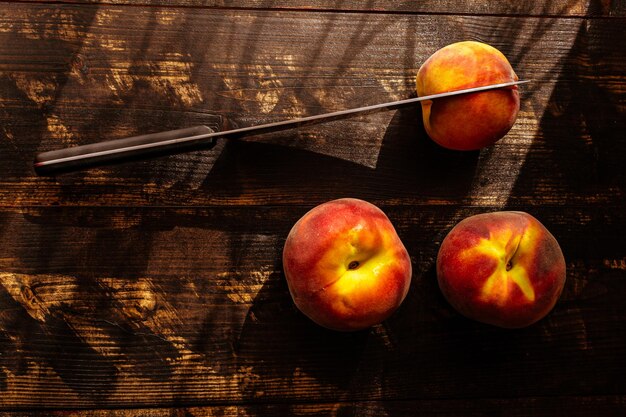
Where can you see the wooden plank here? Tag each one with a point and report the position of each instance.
(523, 407)
(147, 307)
(80, 74)
(110, 299)
(474, 7)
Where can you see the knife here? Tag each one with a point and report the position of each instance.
(200, 137)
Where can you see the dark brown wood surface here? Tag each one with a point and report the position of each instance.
(156, 287)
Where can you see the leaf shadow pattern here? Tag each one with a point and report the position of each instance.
(580, 142)
(591, 166)
(35, 29)
(508, 358)
(64, 351)
(429, 173)
(345, 366)
(90, 289)
(297, 350)
(467, 347)
(395, 176)
(153, 91)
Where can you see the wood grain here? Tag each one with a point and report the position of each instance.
(526, 407)
(105, 73)
(561, 8)
(152, 307)
(156, 287)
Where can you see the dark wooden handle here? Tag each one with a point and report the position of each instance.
(119, 150)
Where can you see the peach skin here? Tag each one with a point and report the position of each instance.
(502, 268)
(345, 265)
(470, 121)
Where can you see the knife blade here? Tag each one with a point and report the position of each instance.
(202, 137)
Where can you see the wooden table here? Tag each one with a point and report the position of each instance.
(155, 288)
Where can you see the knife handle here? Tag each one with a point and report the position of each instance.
(119, 150)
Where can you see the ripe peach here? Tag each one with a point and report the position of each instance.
(469, 121)
(502, 268)
(345, 265)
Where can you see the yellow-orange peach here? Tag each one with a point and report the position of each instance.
(345, 265)
(502, 268)
(469, 121)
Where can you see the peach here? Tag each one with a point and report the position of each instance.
(501, 268)
(469, 121)
(346, 267)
